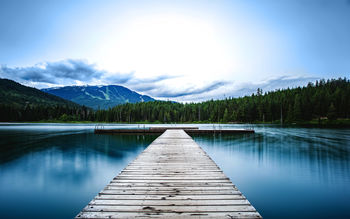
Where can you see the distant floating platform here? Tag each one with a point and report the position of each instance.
(160, 130)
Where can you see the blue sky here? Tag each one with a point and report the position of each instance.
(180, 50)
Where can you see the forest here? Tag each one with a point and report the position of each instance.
(32, 113)
(19, 103)
(320, 100)
(323, 100)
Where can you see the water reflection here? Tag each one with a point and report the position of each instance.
(18, 143)
(327, 151)
(54, 170)
(55, 175)
(286, 171)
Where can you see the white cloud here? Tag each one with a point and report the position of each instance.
(178, 88)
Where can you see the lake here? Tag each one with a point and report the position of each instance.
(54, 170)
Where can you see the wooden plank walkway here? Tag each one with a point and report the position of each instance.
(172, 178)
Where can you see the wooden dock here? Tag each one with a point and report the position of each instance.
(172, 178)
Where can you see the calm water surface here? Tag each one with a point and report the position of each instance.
(54, 170)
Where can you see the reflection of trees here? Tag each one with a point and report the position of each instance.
(323, 150)
(63, 158)
(17, 144)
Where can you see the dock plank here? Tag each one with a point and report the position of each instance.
(172, 178)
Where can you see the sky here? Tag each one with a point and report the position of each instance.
(177, 50)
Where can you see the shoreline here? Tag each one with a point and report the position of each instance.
(341, 123)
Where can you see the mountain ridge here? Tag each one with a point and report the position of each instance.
(18, 95)
(98, 96)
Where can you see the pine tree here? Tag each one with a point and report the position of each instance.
(226, 117)
(332, 112)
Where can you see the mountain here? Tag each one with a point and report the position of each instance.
(102, 97)
(17, 95)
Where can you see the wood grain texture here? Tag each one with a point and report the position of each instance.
(172, 178)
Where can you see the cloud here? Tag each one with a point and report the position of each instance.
(74, 72)
(167, 93)
(157, 79)
(144, 87)
(80, 72)
(21, 74)
(73, 69)
(54, 72)
(239, 89)
(282, 82)
(149, 84)
(118, 78)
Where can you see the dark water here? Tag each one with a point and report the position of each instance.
(288, 172)
(54, 170)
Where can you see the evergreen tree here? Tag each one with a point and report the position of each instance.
(332, 113)
(226, 116)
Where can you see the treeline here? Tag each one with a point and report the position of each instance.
(321, 100)
(19, 103)
(31, 113)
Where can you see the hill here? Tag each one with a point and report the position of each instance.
(99, 97)
(22, 103)
(18, 95)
